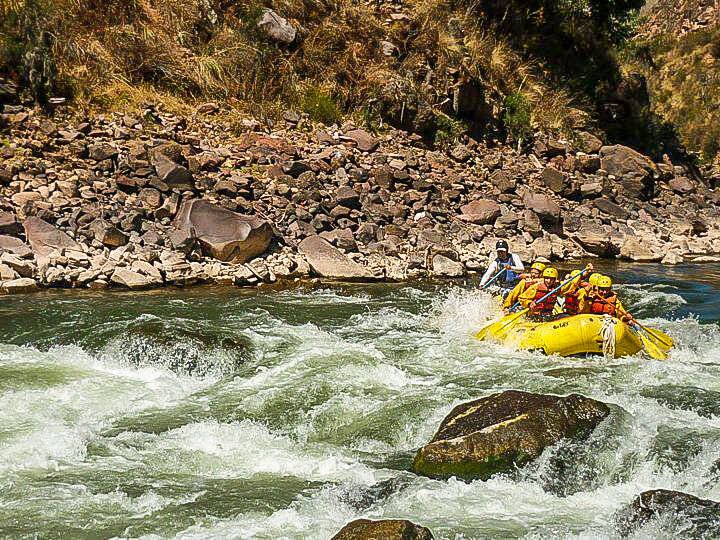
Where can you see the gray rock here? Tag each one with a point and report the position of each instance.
(223, 234)
(19, 286)
(132, 280)
(446, 267)
(327, 261)
(14, 245)
(277, 28)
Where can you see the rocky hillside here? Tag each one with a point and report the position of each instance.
(677, 53)
(151, 199)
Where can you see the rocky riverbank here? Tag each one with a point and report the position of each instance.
(155, 199)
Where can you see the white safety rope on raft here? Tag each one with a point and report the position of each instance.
(608, 336)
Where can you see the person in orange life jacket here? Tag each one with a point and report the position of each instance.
(573, 290)
(526, 281)
(533, 297)
(504, 259)
(604, 301)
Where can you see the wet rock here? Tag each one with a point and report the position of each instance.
(481, 212)
(699, 518)
(45, 238)
(223, 234)
(502, 431)
(19, 286)
(327, 261)
(276, 27)
(386, 529)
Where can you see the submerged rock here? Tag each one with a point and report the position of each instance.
(496, 433)
(385, 529)
(701, 516)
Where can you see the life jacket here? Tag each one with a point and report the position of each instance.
(603, 306)
(572, 303)
(547, 305)
(508, 278)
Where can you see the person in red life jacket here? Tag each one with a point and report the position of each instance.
(604, 301)
(527, 280)
(534, 298)
(573, 290)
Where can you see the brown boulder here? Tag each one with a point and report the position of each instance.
(547, 210)
(554, 179)
(385, 529)
(18, 286)
(107, 234)
(640, 250)
(222, 233)
(481, 211)
(327, 261)
(365, 142)
(9, 224)
(14, 245)
(131, 280)
(499, 432)
(45, 238)
(621, 160)
(609, 208)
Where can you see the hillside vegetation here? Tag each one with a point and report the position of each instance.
(418, 64)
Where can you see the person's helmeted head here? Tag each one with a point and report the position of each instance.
(537, 269)
(502, 249)
(604, 285)
(594, 278)
(576, 276)
(550, 276)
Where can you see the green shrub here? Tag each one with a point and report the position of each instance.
(320, 106)
(449, 130)
(517, 116)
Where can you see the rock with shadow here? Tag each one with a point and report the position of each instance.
(497, 433)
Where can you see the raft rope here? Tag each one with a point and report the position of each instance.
(608, 336)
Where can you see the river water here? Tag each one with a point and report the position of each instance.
(286, 413)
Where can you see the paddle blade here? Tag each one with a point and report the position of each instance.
(498, 329)
(652, 348)
(663, 341)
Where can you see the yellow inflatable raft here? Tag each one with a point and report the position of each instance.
(576, 335)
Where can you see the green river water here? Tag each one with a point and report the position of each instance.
(285, 413)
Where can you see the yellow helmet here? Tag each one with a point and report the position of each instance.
(550, 273)
(538, 266)
(604, 282)
(575, 273)
(593, 280)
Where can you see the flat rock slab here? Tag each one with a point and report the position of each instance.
(496, 433)
(14, 245)
(222, 233)
(328, 261)
(45, 238)
(18, 286)
(385, 529)
(131, 280)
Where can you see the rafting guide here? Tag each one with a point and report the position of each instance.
(505, 268)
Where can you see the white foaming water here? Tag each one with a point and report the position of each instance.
(339, 405)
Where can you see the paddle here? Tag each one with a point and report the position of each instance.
(493, 279)
(498, 328)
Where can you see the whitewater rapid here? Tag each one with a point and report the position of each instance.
(286, 414)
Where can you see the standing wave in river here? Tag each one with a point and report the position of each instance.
(285, 414)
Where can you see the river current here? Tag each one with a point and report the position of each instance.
(288, 412)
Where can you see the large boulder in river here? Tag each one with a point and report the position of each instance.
(222, 233)
(496, 433)
(328, 261)
(698, 518)
(45, 238)
(385, 529)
